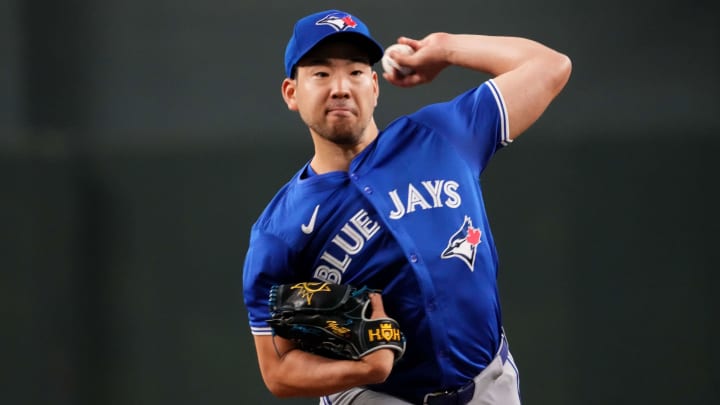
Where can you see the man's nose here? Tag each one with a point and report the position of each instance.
(340, 87)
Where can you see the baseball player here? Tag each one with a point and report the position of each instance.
(399, 210)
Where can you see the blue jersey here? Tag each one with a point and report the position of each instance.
(407, 218)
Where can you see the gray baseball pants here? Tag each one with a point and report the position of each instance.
(497, 384)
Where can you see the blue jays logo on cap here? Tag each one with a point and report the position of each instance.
(338, 21)
(311, 30)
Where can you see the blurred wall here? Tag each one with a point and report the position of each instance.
(139, 72)
(140, 140)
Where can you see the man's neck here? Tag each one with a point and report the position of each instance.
(330, 156)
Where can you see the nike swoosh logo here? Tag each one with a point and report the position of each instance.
(307, 229)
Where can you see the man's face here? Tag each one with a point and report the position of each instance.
(335, 91)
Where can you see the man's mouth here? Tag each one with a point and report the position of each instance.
(340, 109)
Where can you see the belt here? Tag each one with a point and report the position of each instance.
(464, 394)
(460, 396)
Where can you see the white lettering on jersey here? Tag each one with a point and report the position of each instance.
(349, 249)
(363, 224)
(415, 198)
(359, 229)
(453, 200)
(436, 190)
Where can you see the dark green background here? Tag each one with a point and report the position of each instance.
(139, 140)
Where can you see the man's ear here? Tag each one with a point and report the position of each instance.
(288, 92)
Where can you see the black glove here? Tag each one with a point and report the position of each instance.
(332, 320)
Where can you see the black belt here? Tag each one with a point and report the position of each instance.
(460, 396)
(464, 394)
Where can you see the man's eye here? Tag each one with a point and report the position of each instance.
(321, 74)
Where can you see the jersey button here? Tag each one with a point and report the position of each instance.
(368, 189)
(353, 176)
(413, 258)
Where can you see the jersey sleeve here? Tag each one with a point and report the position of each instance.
(267, 262)
(475, 122)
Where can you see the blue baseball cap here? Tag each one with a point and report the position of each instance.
(311, 30)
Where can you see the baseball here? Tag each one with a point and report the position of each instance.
(389, 65)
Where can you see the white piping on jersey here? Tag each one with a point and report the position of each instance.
(261, 330)
(504, 124)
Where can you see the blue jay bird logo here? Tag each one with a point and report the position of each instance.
(463, 244)
(339, 22)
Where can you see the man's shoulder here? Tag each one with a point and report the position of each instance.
(430, 115)
(296, 201)
(279, 200)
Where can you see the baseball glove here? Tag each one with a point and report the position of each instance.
(331, 320)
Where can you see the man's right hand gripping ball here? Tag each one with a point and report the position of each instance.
(332, 320)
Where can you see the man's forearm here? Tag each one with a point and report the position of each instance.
(494, 55)
(296, 373)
